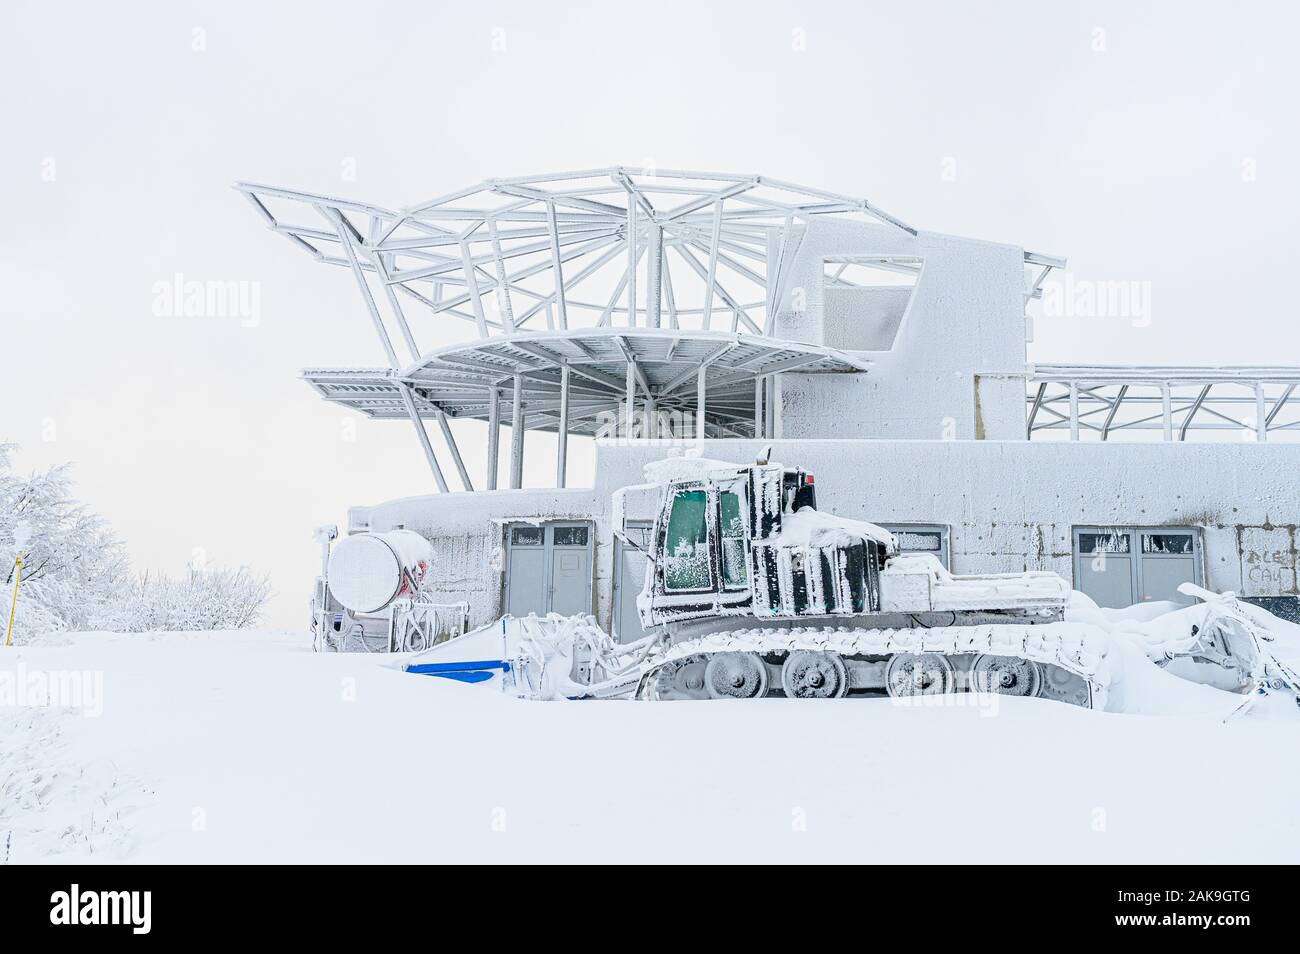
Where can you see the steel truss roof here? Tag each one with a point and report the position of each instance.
(596, 248)
(1104, 400)
(664, 367)
(589, 293)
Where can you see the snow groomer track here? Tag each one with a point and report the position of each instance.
(1058, 661)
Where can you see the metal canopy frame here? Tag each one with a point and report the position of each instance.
(1104, 400)
(638, 292)
(594, 248)
(593, 382)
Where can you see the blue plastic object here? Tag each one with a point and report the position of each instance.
(479, 670)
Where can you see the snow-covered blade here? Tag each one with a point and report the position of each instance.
(1252, 649)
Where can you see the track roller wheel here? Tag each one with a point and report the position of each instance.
(919, 674)
(1006, 675)
(814, 675)
(680, 679)
(737, 675)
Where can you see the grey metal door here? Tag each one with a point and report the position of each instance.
(525, 569)
(548, 568)
(1168, 557)
(1103, 565)
(570, 555)
(1120, 566)
(629, 578)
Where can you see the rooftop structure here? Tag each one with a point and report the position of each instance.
(667, 303)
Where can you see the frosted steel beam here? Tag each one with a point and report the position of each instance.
(423, 437)
(517, 436)
(493, 436)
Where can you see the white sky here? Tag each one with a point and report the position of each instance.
(121, 140)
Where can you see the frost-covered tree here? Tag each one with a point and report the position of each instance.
(76, 576)
(73, 563)
(203, 599)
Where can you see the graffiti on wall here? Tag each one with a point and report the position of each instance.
(1268, 560)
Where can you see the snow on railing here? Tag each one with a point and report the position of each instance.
(1258, 403)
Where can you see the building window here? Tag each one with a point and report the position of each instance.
(1104, 541)
(1120, 566)
(525, 536)
(864, 299)
(1167, 543)
(922, 538)
(570, 536)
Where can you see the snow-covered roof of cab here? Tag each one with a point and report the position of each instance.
(603, 367)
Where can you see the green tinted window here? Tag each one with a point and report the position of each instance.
(735, 568)
(686, 544)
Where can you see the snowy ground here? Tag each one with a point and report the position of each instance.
(249, 747)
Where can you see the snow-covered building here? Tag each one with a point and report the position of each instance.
(665, 312)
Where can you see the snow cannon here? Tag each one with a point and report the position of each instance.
(369, 571)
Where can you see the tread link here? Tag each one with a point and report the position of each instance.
(1049, 660)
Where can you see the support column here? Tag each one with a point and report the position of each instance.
(423, 436)
(1074, 410)
(1261, 419)
(758, 407)
(562, 440)
(631, 261)
(504, 304)
(493, 436)
(651, 424)
(770, 412)
(1167, 411)
(557, 269)
(455, 450)
(715, 239)
(350, 252)
(699, 404)
(654, 280)
(471, 284)
(517, 435)
(629, 408)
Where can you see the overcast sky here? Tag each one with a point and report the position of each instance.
(1152, 142)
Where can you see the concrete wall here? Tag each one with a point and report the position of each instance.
(1010, 505)
(966, 318)
(466, 530)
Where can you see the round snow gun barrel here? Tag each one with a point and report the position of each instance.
(367, 571)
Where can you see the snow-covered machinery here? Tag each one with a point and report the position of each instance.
(371, 594)
(750, 591)
(842, 612)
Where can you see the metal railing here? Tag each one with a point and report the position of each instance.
(1102, 401)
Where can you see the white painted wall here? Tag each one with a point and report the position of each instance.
(966, 318)
(466, 530)
(1010, 505)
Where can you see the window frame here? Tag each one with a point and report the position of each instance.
(738, 490)
(944, 531)
(713, 490)
(710, 536)
(1135, 553)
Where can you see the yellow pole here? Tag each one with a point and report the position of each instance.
(18, 575)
